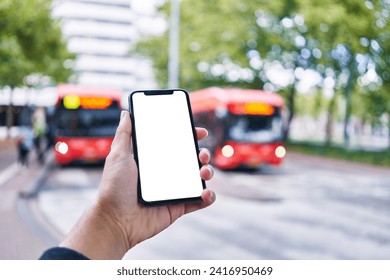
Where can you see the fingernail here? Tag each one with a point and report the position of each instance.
(211, 169)
(123, 114)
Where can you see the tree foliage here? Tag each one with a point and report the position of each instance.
(236, 43)
(30, 42)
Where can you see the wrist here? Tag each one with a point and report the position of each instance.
(97, 235)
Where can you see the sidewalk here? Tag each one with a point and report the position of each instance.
(20, 237)
(9, 165)
(8, 153)
(8, 160)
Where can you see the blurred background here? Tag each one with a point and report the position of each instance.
(295, 95)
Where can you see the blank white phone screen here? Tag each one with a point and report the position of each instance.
(167, 157)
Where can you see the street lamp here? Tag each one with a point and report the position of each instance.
(173, 62)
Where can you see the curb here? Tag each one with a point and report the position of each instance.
(30, 211)
(32, 190)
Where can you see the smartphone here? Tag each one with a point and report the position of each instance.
(165, 147)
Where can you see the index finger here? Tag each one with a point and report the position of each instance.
(201, 133)
(122, 138)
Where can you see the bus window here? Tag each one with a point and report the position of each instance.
(88, 122)
(254, 128)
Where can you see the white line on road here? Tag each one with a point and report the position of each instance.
(7, 173)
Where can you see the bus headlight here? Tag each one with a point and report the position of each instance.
(227, 151)
(280, 152)
(62, 148)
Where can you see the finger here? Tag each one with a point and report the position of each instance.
(208, 198)
(122, 138)
(201, 133)
(204, 156)
(207, 172)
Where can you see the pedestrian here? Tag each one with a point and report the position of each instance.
(50, 128)
(25, 143)
(39, 126)
(116, 222)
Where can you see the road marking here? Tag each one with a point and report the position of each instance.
(7, 173)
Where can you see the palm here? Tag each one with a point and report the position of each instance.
(157, 218)
(118, 193)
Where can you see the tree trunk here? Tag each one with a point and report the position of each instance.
(388, 132)
(329, 121)
(10, 115)
(348, 109)
(291, 112)
(347, 116)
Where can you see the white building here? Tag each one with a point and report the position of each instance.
(101, 33)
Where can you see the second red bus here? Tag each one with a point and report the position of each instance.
(245, 126)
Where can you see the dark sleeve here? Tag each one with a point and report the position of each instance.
(61, 253)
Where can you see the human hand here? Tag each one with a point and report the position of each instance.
(117, 222)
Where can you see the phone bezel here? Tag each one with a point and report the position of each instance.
(135, 150)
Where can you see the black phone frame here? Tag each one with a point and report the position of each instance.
(135, 150)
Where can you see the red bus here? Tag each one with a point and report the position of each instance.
(245, 126)
(85, 122)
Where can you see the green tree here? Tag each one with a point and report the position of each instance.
(287, 46)
(233, 43)
(378, 92)
(211, 52)
(31, 36)
(30, 43)
(340, 27)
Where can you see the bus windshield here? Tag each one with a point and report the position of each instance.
(87, 122)
(254, 128)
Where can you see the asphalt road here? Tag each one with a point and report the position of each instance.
(309, 208)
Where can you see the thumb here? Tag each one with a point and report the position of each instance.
(122, 138)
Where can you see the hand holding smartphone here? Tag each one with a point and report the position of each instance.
(165, 147)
